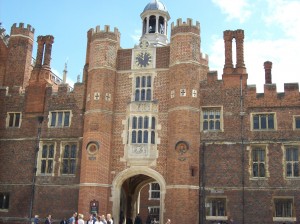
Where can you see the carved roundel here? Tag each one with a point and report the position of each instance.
(182, 147)
(92, 147)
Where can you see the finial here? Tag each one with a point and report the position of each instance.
(78, 78)
(65, 73)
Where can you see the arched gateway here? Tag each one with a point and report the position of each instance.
(142, 176)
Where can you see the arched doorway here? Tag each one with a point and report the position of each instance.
(126, 188)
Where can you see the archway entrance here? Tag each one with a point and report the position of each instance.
(138, 190)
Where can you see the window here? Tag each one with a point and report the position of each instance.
(143, 129)
(263, 121)
(216, 209)
(143, 88)
(4, 200)
(60, 119)
(154, 212)
(296, 122)
(154, 192)
(69, 157)
(292, 161)
(211, 119)
(13, 120)
(258, 162)
(47, 159)
(283, 208)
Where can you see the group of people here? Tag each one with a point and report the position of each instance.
(78, 218)
(93, 219)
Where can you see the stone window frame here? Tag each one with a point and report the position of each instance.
(40, 158)
(211, 108)
(63, 118)
(138, 90)
(138, 129)
(11, 117)
(263, 114)
(154, 194)
(296, 119)
(291, 146)
(266, 162)
(208, 205)
(4, 198)
(62, 158)
(291, 218)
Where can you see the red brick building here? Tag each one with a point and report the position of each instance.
(148, 130)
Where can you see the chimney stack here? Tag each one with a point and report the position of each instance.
(268, 69)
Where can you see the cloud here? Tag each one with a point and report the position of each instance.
(282, 50)
(136, 36)
(238, 9)
(285, 15)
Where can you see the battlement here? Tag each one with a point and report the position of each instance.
(4, 36)
(290, 89)
(22, 30)
(106, 29)
(189, 22)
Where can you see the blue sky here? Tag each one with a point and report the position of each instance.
(272, 30)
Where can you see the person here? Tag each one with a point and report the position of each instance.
(64, 221)
(148, 220)
(48, 219)
(94, 216)
(168, 221)
(109, 220)
(92, 220)
(128, 220)
(36, 219)
(72, 220)
(138, 219)
(102, 219)
(154, 221)
(80, 219)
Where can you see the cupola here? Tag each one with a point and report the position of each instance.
(155, 19)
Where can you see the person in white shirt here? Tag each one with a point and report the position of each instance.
(109, 219)
(80, 219)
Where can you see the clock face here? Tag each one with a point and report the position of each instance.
(143, 59)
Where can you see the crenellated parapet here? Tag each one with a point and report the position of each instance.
(270, 96)
(106, 33)
(102, 47)
(4, 36)
(183, 27)
(185, 43)
(20, 45)
(21, 30)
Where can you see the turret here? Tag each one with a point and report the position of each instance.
(100, 76)
(185, 72)
(19, 62)
(185, 42)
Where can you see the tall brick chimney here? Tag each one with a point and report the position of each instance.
(268, 69)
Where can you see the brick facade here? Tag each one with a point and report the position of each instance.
(168, 121)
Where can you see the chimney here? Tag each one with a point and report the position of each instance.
(268, 75)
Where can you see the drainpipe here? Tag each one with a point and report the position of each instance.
(40, 120)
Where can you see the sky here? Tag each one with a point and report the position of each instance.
(272, 30)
